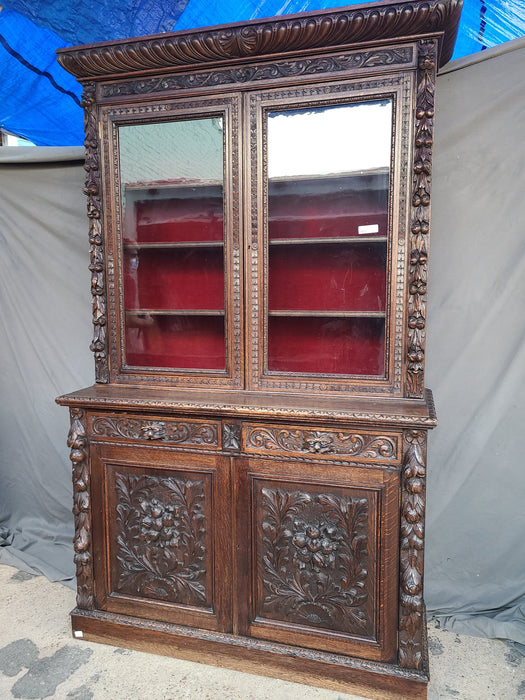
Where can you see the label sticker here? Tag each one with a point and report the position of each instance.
(370, 228)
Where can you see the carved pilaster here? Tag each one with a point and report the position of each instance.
(78, 443)
(96, 238)
(411, 618)
(422, 178)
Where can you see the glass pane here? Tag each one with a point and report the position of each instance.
(172, 204)
(328, 183)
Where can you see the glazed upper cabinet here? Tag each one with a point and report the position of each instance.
(249, 468)
(301, 246)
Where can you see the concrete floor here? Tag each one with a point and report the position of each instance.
(40, 659)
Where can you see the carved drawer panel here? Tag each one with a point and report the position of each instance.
(172, 431)
(161, 534)
(331, 444)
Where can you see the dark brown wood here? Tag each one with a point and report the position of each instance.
(266, 520)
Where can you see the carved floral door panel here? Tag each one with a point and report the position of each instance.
(321, 549)
(165, 553)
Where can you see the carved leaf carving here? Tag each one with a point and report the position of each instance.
(313, 559)
(161, 538)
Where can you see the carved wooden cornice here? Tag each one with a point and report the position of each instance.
(359, 24)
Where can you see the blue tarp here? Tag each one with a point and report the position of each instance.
(41, 102)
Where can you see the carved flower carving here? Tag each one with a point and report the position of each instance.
(160, 523)
(153, 431)
(316, 545)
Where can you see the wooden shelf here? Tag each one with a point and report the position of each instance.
(173, 244)
(175, 312)
(329, 314)
(342, 239)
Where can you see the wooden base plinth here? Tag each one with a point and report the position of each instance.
(295, 664)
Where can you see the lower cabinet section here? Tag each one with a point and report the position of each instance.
(315, 546)
(306, 566)
(162, 546)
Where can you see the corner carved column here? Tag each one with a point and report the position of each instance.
(412, 617)
(78, 444)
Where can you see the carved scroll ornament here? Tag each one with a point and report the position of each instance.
(318, 442)
(193, 433)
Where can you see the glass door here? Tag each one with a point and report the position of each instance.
(325, 201)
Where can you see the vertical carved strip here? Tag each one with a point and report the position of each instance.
(77, 442)
(422, 178)
(96, 239)
(411, 617)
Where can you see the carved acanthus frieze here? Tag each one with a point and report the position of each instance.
(161, 538)
(186, 432)
(411, 632)
(313, 559)
(321, 442)
(262, 72)
(78, 443)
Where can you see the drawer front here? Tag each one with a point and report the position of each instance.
(204, 434)
(328, 444)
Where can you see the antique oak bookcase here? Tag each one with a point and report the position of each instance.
(249, 468)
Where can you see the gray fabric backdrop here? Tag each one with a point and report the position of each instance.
(475, 554)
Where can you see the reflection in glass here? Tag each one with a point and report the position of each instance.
(328, 182)
(173, 236)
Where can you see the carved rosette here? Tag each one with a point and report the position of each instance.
(231, 436)
(78, 443)
(411, 620)
(320, 442)
(161, 538)
(96, 238)
(420, 229)
(313, 560)
(179, 432)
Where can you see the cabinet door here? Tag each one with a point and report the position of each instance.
(327, 202)
(161, 539)
(174, 216)
(318, 555)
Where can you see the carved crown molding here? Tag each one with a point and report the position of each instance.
(283, 35)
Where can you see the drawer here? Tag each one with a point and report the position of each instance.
(204, 434)
(321, 443)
